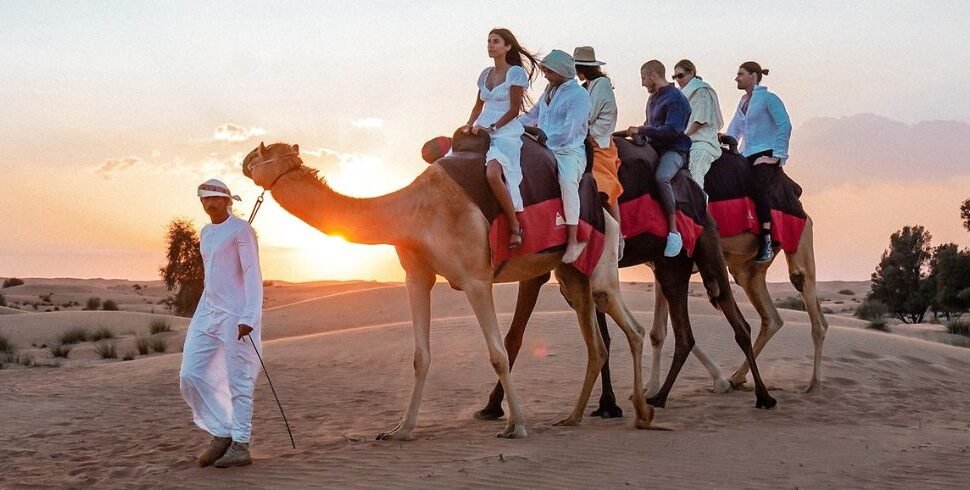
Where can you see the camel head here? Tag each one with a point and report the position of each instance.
(266, 164)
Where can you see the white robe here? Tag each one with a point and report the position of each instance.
(219, 372)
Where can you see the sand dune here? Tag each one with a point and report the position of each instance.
(892, 412)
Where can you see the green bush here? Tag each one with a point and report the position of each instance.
(130, 356)
(12, 281)
(159, 325)
(109, 305)
(871, 309)
(61, 350)
(5, 346)
(847, 292)
(94, 303)
(960, 326)
(74, 336)
(143, 344)
(106, 350)
(3, 300)
(102, 333)
(791, 303)
(157, 344)
(879, 324)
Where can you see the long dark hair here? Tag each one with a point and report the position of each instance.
(590, 73)
(517, 53)
(753, 67)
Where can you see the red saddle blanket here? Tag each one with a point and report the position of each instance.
(640, 210)
(728, 190)
(542, 220)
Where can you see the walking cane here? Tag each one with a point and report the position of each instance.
(259, 202)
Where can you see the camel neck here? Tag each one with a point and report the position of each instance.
(380, 220)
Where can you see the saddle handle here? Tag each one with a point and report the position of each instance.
(728, 141)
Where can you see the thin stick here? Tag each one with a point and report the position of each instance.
(251, 341)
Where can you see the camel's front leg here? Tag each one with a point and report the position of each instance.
(419, 283)
(525, 303)
(480, 296)
(801, 271)
(658, 334)
(575, 286)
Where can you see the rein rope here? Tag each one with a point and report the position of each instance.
(259, 200)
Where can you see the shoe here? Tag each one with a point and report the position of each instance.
(674, 245)
(573, 251)
(217, 447)
(237, 455)
(765, 253)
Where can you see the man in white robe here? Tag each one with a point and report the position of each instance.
(219, 363)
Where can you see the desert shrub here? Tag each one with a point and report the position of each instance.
(102, 333)
(791, 303)
(847, 292)
(93, 303)
(157, 344)
(871, 309)
(109, 305)
(129, 356)
(959, 326)
(267, 284)
(3, 300)
(5, 346)
(159, 325)
(878, 324)
(60, 350)
(828, 311)
(45, 298)
(75, 335)
(143, 345)
(106, 350)
(12, 281)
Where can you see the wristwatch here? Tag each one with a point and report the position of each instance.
(492, 127)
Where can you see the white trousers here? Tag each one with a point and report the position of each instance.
(219, 374)
(571, 163)
(701, 158)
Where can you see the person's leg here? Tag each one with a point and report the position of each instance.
(701, 159)
(204, 385)
(761, 177)
(571, 163)
(606, 165)
(494, 174)
(668, 166)
(243, 366)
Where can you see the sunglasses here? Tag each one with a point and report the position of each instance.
(678, 76)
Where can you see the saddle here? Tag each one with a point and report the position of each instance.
(542, 219)
(727, 185)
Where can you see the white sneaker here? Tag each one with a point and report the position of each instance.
(674, 244)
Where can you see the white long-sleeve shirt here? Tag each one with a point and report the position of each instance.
(564, 119)
(602, 116)
(233, 281)
(765, 126)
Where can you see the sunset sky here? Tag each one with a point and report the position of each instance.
(111, 113)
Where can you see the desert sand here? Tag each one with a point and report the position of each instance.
(892, 412)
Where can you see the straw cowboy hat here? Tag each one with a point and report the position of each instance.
(585, 56)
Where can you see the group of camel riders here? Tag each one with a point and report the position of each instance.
(682, 125)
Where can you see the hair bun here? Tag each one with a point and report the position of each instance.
(764, 71)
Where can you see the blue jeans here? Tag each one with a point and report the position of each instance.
(668, 166)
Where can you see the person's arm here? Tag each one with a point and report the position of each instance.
(734, 128)
(248, 251)
(701, 111)
(530, 117)
(782, 127)
(476, 111)
(674, 125)
(577, 118)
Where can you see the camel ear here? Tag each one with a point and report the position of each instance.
(260, 149)
(296, 149)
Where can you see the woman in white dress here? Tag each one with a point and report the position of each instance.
(501, 94)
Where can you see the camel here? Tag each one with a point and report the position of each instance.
(739, 253)
(437, 229)
(673, 280)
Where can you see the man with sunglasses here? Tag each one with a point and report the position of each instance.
(705, 119)
(667, 114)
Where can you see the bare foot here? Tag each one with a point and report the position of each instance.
(573, 251)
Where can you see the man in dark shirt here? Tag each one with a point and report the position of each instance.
(667, 114)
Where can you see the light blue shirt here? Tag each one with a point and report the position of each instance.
(765, 126)
(564, 119)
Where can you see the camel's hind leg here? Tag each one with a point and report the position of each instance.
(673, 277)
(658, 334)
(608, 408)
(575, 287)
(801, 272)
(526, 302)
(751, 277)
(420, 280)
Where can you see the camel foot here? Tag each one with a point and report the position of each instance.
(643, 422)
(490, 413)
(722, 386)
(397, 434)
(513, 431)
(657, 401)
(607, 411)
(766, 402)
(738, 383)
(569, 422)
(814, 387)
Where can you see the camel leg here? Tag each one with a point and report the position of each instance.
(751, 277)
(608, 300)
(420, 280)
(801, 272)
(576, 289)
(480, 296)
(673, 276)
(608, 408)
(524, 305)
